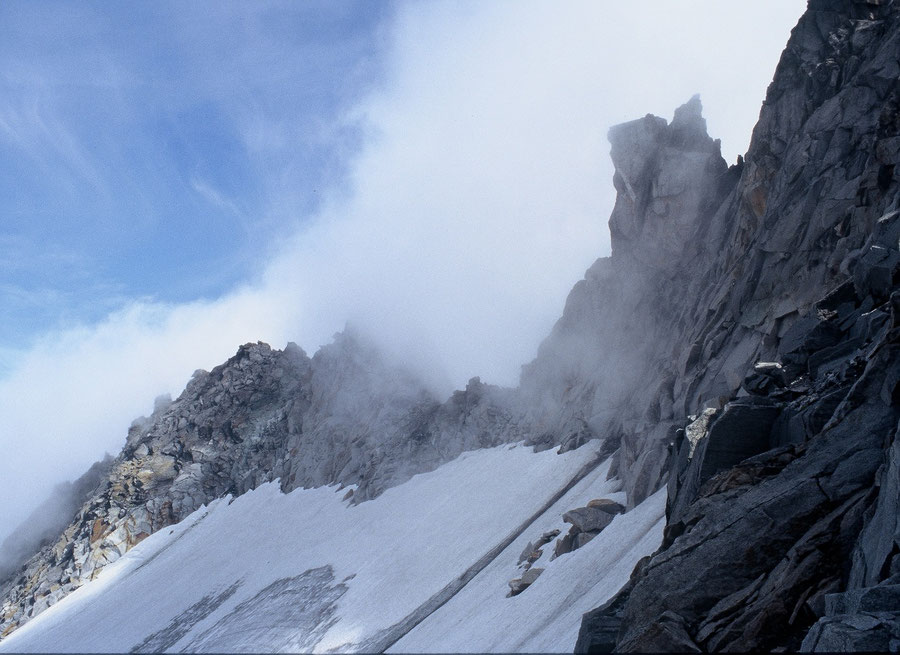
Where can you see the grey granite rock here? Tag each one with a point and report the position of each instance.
(857, 633)
(518, 585)
(606, 505)
(800, 269)
(588, 519)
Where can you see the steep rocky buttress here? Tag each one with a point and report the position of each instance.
(781, 377)
(740, 346)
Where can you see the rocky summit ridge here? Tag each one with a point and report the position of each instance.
(740, 346)
(342, 417)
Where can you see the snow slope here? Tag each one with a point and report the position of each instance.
(273, 572)
(545, 618)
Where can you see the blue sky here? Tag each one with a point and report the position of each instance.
(141, 143)
(178, 178)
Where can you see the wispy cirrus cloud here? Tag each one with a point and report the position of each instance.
(214, 196)
(131, 135)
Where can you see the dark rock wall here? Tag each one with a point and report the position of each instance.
(782, 511)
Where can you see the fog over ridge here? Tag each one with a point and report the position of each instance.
(479, 198)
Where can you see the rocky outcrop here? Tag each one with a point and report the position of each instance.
(45, 524)
(587, 522)
(782, 508)
(607, 370)
(341, 417)
(859, 620)
(689, 301)
(518, 585)
(667, 178)
(534, 549)
(748, 562)
(866, 617)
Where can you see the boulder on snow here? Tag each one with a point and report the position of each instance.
(565, 544)
(582, 538)
(606, 505)
(588, 519)
(518, 585)
(532, 550)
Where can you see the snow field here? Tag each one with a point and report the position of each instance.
(307, 571)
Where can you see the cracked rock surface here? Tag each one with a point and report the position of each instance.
(782, 492)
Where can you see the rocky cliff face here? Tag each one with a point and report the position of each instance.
(45, 524)
(782, 489)
(740, 345)
(612, 366)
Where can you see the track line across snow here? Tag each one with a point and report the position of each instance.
(390, 636)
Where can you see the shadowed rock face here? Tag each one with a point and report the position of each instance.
(782, 508)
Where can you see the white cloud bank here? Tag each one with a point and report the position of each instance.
(480, 197)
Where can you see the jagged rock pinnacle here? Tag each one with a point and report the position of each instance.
(667, 176)
(690, 116)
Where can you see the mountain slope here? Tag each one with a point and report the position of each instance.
(739, 347)
(343, 416)
(269, 571)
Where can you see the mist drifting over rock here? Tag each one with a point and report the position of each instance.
(715, 413)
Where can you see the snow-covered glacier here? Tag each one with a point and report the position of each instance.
(308, 571)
